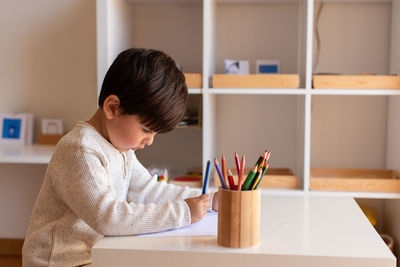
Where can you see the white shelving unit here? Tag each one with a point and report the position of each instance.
(30, 154)
(282, 119)
(204, 22)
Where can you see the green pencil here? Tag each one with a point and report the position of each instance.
(249, 178)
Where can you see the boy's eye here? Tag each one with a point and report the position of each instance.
(146, 131)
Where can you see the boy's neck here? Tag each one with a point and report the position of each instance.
(98, 122)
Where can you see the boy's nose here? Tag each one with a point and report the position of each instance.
(149, 140)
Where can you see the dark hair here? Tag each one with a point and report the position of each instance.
(148, 84)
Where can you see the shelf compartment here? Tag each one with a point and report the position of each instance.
(193, 182)
(194, 80)
(273, 178)
(255, 81)
(193, 114)
(354, 180)
(356, 81)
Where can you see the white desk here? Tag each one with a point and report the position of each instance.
(295, 231)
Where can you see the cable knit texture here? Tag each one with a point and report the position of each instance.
(92, 190)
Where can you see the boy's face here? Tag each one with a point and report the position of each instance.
(126, 132)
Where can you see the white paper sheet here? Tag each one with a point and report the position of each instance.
(206, 227)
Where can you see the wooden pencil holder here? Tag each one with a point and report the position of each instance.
(238, 218)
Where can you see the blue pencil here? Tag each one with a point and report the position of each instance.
(221, 177)
(206, 177)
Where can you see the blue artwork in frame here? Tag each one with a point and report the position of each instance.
(11, 128)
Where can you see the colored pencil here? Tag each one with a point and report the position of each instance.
(268, 155)
(231, 181)
(205, 183)
(265, 168)
(237, 163)
(223, 165)
(257, 176)
(240, 175)
(261, 158)
(249, 178)
(221, 177)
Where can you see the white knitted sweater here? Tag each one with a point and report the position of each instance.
(92, 190)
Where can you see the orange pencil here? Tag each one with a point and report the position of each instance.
(223, 166)
(240, 174)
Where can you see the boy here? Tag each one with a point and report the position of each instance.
(94, 185)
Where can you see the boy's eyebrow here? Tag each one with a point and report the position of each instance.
(147, 128)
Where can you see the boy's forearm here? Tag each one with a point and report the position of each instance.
(160, 192)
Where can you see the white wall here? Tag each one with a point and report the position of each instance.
(175, 29)
(355, 38)
(351, 131)
(19, 186)
(48, 67)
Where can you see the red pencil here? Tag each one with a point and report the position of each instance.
(237, 163)
(240, 175)
(230, 179)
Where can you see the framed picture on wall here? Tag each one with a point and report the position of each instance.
(13, 129)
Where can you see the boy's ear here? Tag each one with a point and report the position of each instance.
(111, 106)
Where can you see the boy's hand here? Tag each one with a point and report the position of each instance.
(198, 207)
(215, 201)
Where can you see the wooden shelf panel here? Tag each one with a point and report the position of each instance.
(354, 180)
(356, 82)
(255, 81)
(194, 80)
(258, 91)
(351, 91)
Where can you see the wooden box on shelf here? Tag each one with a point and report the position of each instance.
(355, 180)
(193, 80)
(48, 139)
(255, 81)
(273, 178)
(356, 81)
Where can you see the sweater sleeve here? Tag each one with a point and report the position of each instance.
(82, 182)
(144, 188)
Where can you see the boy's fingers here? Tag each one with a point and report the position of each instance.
(205, 197)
